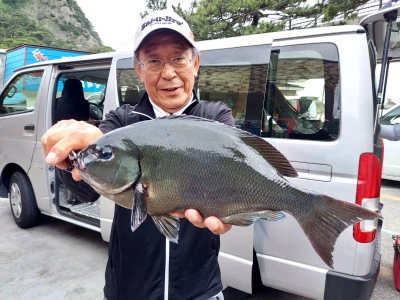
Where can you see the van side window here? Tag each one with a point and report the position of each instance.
(130, 88)
(80, 95)
(237, 77)
(303, 93)
(21, 94)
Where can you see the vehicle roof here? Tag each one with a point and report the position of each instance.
(268, 38)
(83, 58)
(234, 42)
(378, 15)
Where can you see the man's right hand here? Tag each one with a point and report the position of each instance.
(65, 136)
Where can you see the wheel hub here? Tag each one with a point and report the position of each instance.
(15, 200)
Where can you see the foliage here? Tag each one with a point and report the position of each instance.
(221, 18)
(14, 3)
(17, 29)
(81, 18)
(153, 5)
(346, 7)
(100, 49)
(20, 28)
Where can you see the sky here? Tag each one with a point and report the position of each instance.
(115, 21)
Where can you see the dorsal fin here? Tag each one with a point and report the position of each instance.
(270, 154)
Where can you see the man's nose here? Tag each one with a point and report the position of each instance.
(168, 70)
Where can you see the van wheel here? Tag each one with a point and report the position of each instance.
(22, 201)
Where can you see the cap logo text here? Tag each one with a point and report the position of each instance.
(160, 20)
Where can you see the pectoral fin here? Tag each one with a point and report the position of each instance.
(139, 207)
(168, 226)
(246, 219)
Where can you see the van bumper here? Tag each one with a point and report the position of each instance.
(340, 286)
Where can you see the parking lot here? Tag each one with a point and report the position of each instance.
(58, 260)
(55, 260)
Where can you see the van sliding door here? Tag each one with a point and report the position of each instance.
(236, 76)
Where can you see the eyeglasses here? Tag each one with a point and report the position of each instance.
(157, 65)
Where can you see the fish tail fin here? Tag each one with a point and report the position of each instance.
(327, 220)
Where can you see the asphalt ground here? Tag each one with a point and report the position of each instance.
(55, 260)
(58, 260)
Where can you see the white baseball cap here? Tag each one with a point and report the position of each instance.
(163, 19)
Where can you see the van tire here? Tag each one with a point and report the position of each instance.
(22, 201)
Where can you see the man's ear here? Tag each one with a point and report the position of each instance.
(196, 65)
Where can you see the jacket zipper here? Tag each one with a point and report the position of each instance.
(166, 280)
(142, 114)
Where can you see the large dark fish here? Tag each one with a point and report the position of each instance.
(169, 164)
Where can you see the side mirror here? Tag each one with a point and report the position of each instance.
(11, 91)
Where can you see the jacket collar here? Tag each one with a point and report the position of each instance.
(145, 108)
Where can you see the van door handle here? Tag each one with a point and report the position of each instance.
(29, 127)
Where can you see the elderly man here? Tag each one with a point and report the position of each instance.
(143, 264)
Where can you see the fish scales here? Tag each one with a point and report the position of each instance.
(174, 170)
(219, 191)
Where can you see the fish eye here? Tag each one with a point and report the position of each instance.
(105, 153)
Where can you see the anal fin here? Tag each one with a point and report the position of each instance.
(246, 219)
(168, 225)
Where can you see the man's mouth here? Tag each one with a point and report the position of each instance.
(170, 89)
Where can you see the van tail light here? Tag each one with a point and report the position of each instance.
(368, 193)
(382, 152)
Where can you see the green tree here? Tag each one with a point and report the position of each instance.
(153, 5)
(221, 18)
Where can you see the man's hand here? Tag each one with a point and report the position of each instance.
(212, 223)
(64, 137)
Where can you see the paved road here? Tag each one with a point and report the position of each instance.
(57, 260)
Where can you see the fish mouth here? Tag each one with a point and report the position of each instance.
(79, 162)
(101, 188)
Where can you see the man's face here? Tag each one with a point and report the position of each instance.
(169, 89)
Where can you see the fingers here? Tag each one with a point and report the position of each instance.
(66, 136)
(54, 134)
(214, 224)
(195, 218)
(62, 146)
(75, 174)
(179, 214)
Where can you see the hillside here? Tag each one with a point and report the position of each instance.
(53, 23)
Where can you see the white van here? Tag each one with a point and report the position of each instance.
(311, 93)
